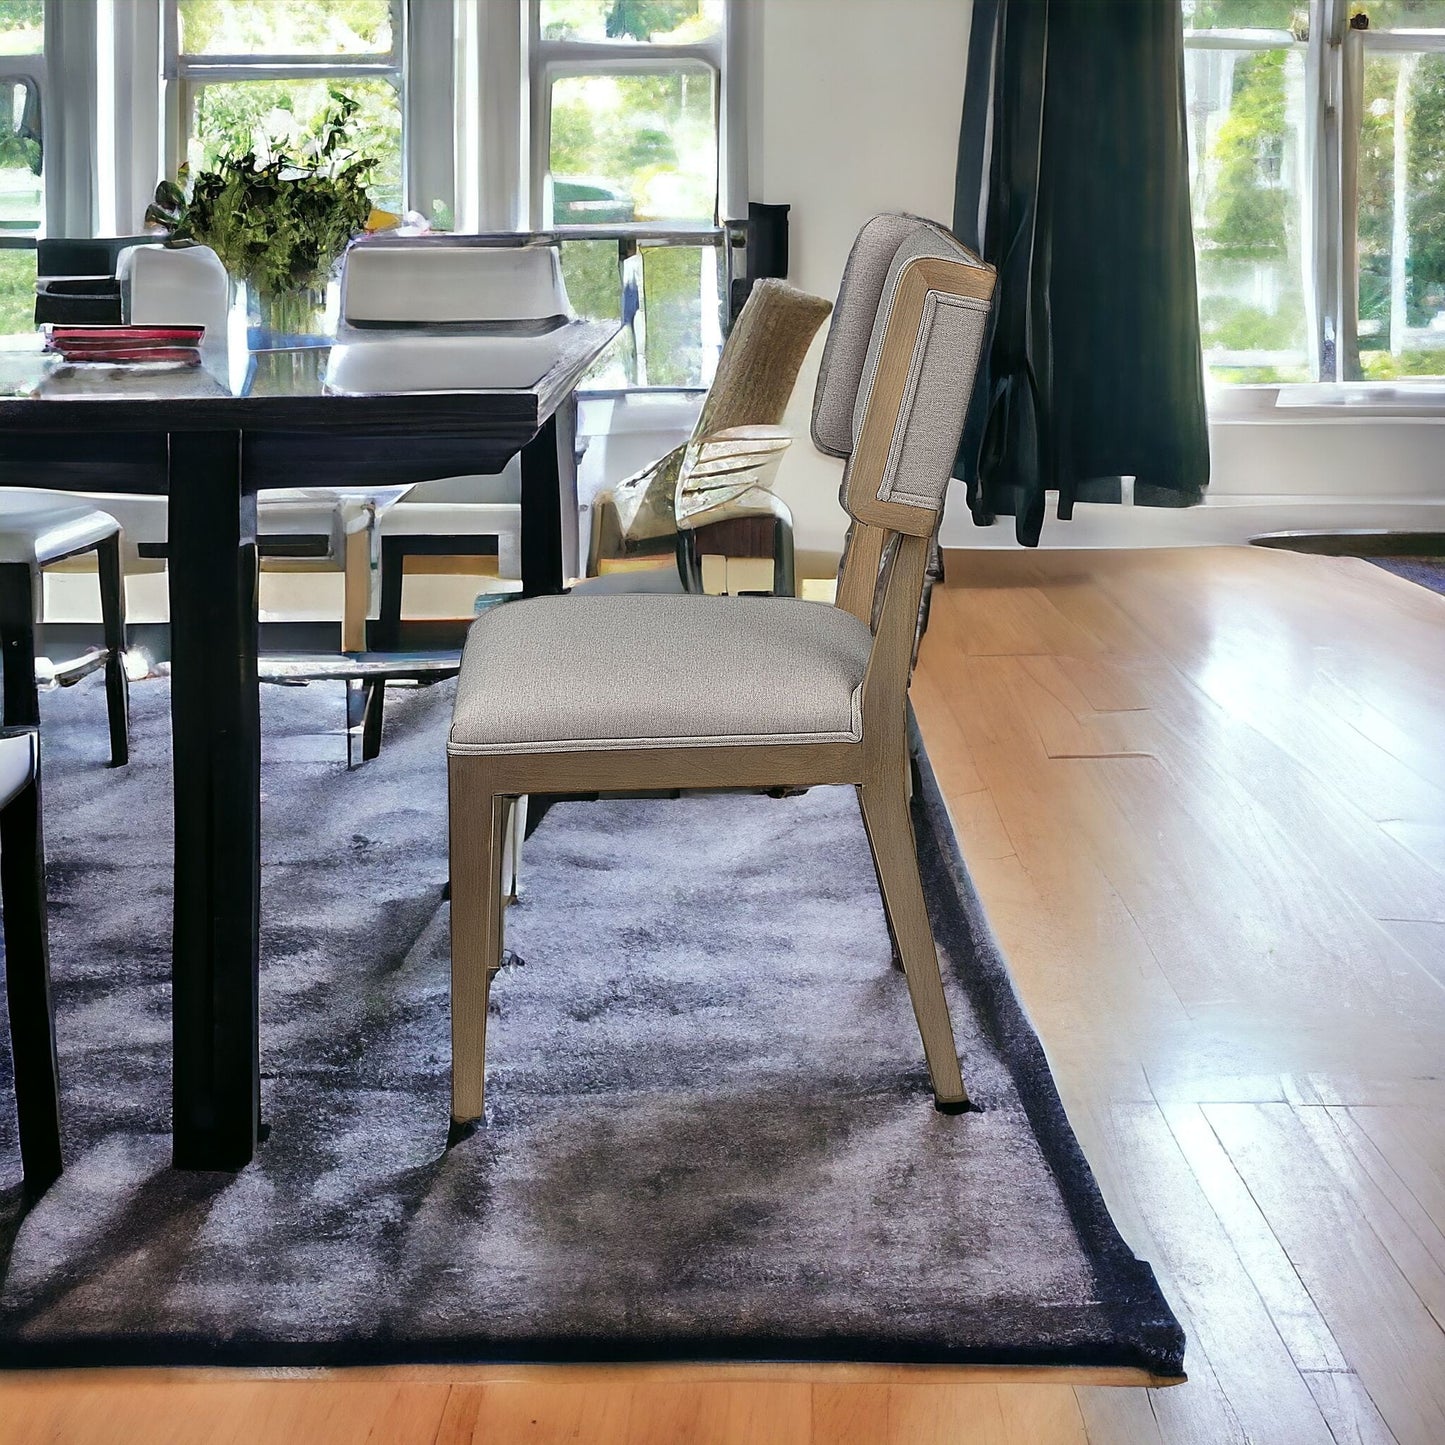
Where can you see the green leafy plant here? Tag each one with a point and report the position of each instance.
(278, 222)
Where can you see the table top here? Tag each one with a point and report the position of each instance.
(478, 381)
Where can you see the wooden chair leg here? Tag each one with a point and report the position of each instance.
(878, 874)
(27, 986)
(112, 614)
(477, 824)
(885, 813)
(17, 639)
(356, 586)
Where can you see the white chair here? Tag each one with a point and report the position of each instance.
(188, 285)
(37, 530)
(433, 284)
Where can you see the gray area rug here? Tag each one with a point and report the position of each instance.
(709, 1131)
(1425, 571)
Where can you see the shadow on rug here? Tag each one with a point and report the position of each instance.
(709, 1131)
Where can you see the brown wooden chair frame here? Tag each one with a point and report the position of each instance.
(880, 582)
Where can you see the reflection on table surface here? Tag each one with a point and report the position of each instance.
(370, 362)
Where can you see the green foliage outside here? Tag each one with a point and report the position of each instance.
(676, 22)
(17, 292)
(672, 286)
(285, 27)
(1417, 82)
(22, 27)
(1246, 215)
(649, 137)
(234, 117)
(267, 116)
(279, 223)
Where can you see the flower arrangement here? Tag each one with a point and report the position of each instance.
(279, 222)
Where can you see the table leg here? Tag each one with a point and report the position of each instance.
(216, 742)
(549, 504)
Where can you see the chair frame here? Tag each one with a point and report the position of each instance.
(27, 975)
(18, 636)
(881, 582)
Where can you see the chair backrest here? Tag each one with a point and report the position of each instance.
(762, 356)
(897, 374)
(440, 280)
(175, 286)
(751, 389)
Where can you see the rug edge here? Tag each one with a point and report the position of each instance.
(1127, 1283)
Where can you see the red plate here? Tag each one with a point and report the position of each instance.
(77, 338)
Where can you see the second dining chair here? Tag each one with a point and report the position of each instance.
(39, 529)
(728, 692)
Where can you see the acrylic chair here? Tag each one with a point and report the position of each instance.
(745, 691)
(27, 960)
(711, 496)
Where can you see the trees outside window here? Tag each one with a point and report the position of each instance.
(626, 113)
(256, 75)
(1320, 229)
(22, 195)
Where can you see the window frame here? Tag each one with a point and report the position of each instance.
(1321, 306)
(551, 60)
(32, 70)
(1334, 56)
(184, 75)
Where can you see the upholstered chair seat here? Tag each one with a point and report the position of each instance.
(640, 671)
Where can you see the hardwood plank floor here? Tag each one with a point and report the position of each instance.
(1203, 795)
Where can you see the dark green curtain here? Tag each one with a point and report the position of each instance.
(1073, 179)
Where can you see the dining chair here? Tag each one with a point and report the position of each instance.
(690, 691)
(711, 497)
(27, 960)
(300, 528)
(170, 285)
(477, 286)
(40, 529)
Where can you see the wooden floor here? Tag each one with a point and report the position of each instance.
(1203, 795)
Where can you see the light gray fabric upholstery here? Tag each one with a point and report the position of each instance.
(558, 673)
(940, 379)
(19, 757)
(945, 359)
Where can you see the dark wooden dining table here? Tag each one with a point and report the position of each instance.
(210, 437)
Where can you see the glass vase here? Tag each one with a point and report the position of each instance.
(290, 313)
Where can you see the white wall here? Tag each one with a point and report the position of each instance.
(853, 108)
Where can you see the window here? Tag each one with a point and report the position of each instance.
(258, 75)
(22, 197)
(626, 104)
(616, 126)
(1317, 165)
(1244, 69)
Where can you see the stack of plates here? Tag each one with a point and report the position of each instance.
(176, 344)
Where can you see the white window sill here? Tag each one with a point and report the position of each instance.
(1333, 401)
